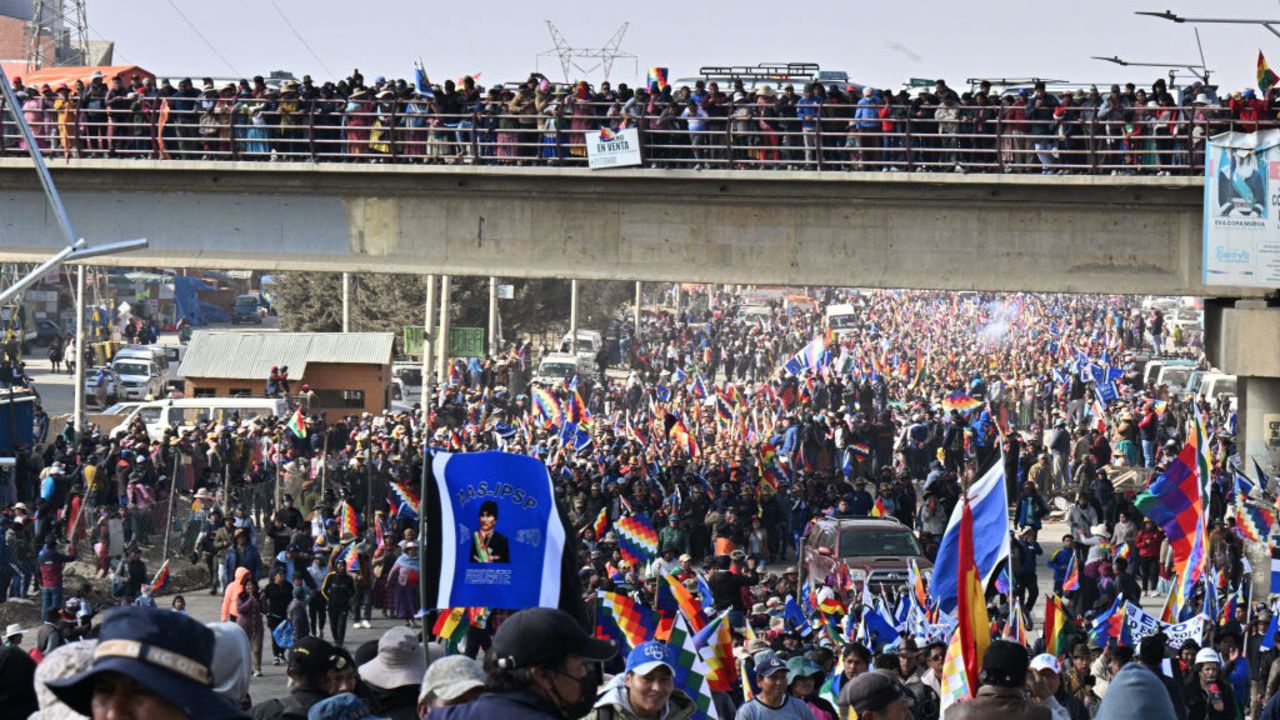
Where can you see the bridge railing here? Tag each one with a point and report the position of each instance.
(911, 138)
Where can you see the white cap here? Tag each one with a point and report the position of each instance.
(1208, 655)
(1045, 661)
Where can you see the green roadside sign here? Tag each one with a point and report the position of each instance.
(463, 341)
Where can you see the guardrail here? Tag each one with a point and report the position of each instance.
(909, 138)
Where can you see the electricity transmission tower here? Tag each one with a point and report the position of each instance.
(604, 57)
(57, 34)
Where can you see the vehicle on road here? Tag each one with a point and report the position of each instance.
(183, 414)
(875, 550)
(555, 368)
(143, 371)
(589, 343)
(248, 309)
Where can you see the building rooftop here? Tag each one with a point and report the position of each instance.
(238, 354)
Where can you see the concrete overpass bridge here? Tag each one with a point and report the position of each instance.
(897, 230)
(1085, 234)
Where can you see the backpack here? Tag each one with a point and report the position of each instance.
(284, 635)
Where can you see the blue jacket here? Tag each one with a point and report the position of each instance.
(521, 705)
(867, 115)
(1027, 553)
(1059, 561)
(250, 559)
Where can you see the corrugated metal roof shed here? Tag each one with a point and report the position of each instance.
(250, 355)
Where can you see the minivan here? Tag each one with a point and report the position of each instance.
(143, 372)
(589, 343)
(185, 413)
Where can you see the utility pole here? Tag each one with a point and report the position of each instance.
(442, 362)
(346, 302)
(428, 338)
(573, 317)
(493, 316)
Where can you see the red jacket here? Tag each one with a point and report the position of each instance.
(1148, 542)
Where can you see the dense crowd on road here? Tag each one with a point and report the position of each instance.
(735, 434)
(774, 125)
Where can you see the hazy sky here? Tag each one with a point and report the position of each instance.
(879, 43)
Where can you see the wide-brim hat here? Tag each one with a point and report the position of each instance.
(1100, 530)
(167, 653)
(400, 661)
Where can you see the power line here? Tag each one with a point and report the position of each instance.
(301, 39)
(200, 35)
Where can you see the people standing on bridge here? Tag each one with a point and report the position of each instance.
(1040, 118)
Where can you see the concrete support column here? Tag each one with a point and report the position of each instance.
(493, 316)
(442, 362)
(573, 316)
(346, 302)
(1242, 337)
(1258, 418)
(635, 319)
(428, 338)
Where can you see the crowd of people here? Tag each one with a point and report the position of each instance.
(741, 124)
(734, 434)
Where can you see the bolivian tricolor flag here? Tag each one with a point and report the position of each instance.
(297, 424)
(1266, 78)
(450, 628)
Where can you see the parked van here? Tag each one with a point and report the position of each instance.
(1176, 375)
(555, 367)
(143, 371)
(1214, 384)
(185, 413)
(589, 343)
(841, 319)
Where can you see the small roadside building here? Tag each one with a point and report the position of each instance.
(349, 372)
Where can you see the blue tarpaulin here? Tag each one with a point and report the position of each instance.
(197, 312)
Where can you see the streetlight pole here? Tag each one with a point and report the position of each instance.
(1270, 25)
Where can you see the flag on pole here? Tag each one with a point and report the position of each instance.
(1275, 569)
(297, 424)
(1266, 78)
(971, 603)
(1055, 620)
(715, 644)
(450, 628)
(623, 620)
(1072, 579)
(955, 681)
(601, 525)
(161, 579)
(347, 522)
(691, 670)
(408, 503)
(685, 601)
(990, 538)
(637, 539)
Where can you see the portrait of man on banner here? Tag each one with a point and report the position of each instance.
(487, 544)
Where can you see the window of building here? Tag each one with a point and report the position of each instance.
(204, 392)
(340, 398)
(240, 392)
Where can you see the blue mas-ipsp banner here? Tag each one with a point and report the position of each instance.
(494, 537)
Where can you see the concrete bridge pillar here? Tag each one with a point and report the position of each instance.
(1242, 337)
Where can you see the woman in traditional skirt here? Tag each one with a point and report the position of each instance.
(404, 578)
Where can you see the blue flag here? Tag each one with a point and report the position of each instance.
(421, 82)
(494, 536)
(990, 536)
(795, 617)
(1269, 638)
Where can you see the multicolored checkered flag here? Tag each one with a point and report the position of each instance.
(691, 670)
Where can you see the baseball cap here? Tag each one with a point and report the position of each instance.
(649, 656)
(312, 655)
(536, 636)
(1045, 661)
(800, 667)
(766, 664)
(343, 706)
(873, 692)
